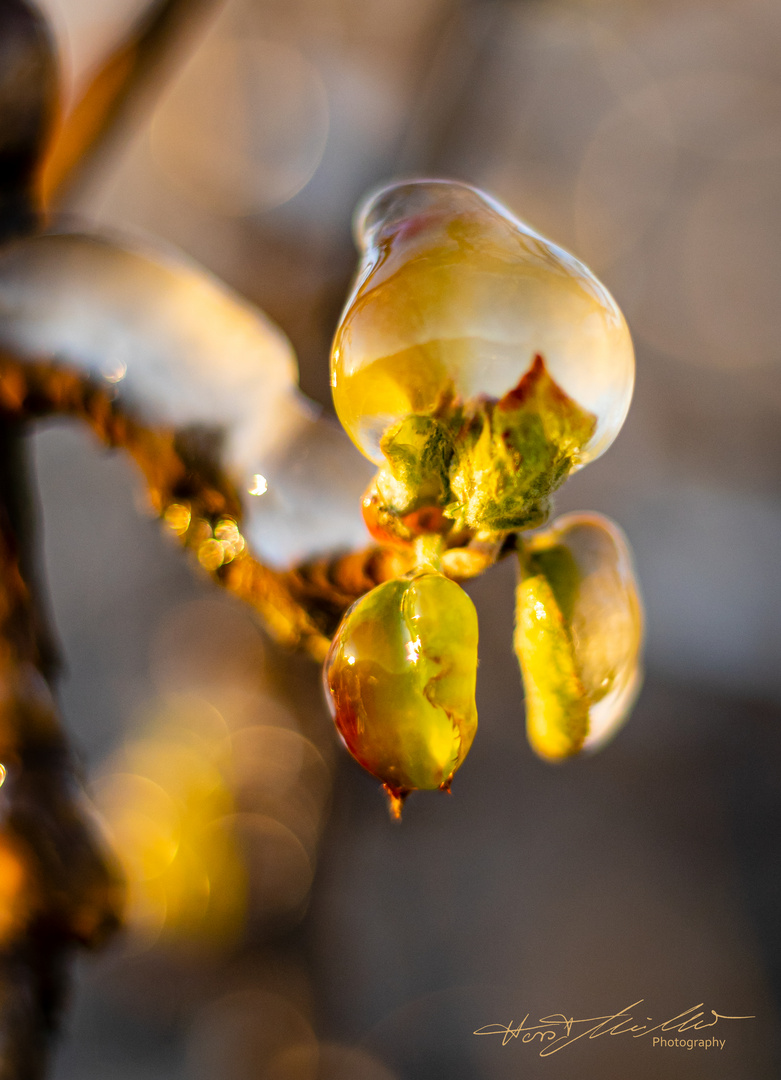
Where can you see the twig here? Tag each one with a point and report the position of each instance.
(114, 92)
(28, 94)
(301, 607)
(59, 888)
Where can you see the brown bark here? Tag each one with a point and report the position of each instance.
(58, 887)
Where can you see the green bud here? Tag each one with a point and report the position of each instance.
(515, 453)
(401, 678)
(578, 634)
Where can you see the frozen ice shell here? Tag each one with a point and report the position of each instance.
(454, 293)
(178, 349)
(587, 559)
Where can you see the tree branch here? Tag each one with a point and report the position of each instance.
(114, 93)
(58, 887)
(188, 489)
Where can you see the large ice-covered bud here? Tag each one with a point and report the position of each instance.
(487, 334)
(578, 635)
(401, 679)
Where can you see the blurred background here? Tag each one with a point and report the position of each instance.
(280, 926)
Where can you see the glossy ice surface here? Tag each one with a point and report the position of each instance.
(578, 634)
(181, 352)
(169, 337)
(455, 296)
(401, 677)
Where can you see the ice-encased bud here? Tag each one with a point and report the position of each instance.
(400, 678)
(579, 630)
(455, 296)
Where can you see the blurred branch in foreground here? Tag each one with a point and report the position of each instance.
(59, 889)
(113, 92)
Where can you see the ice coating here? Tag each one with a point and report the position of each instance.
(606, 621)
(579, 604)
(454, 291)
(401, 681)
(172, 340)
(179, 350)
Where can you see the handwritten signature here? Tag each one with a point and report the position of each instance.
(557, 1031)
